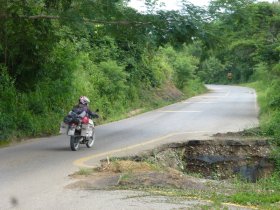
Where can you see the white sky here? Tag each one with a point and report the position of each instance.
(172, 4)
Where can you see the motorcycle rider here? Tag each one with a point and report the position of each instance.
(83, 106)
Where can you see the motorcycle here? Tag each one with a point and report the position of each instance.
(80, 128)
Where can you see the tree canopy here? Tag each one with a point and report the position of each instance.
(52, 51)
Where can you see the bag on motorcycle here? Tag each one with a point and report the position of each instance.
(63, 128)
(71, 117)
(67, 119)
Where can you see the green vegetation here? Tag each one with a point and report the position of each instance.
(145, 173)
(247, 46)
(51, 52)
(265, 194)
(84, 172)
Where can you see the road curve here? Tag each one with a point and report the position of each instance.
(33, 174)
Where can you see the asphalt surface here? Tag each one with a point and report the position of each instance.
(33, 175)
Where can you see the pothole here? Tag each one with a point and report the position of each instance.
(195, 164)
(194, 169)
(216, 159)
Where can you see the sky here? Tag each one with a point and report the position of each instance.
(172, 4)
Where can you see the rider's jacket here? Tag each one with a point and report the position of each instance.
(81, 108)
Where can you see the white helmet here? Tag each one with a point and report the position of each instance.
(84, 100)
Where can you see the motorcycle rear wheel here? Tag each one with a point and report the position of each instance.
(75, 143)
(91, 140)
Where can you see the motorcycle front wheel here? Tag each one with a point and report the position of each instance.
(75, 143)
(91, 140)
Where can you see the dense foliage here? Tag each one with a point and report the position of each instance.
(52, 51)
(248, 47)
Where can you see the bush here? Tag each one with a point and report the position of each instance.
(182, 65)
(271, 126)
(268, 87)
(212, 71)
(8, 97)
(114, 87)
(273, 95)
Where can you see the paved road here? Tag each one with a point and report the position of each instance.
(33, 175)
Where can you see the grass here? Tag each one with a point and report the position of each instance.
(212, 200)
(150, 102)
(125, 177)
(84, 171)
(262, 195)
(4, 143)
(269, 115)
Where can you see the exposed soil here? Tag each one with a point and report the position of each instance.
(136, 174)
(191, 165)
(168, 92)
(228, 158)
